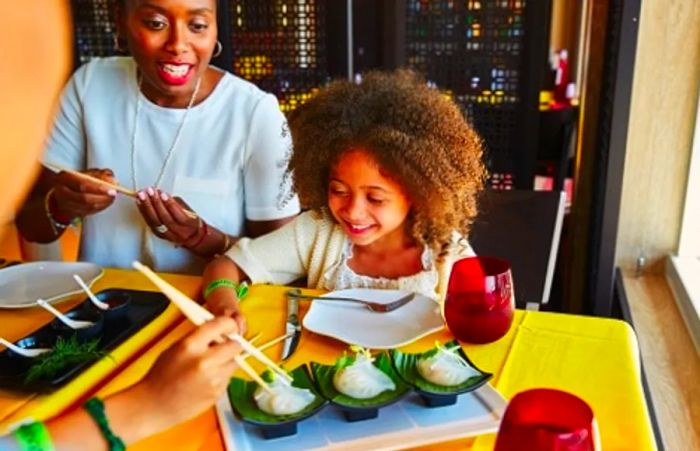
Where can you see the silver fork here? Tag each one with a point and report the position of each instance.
(373, 306)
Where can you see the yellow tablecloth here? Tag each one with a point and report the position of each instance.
(594, 358)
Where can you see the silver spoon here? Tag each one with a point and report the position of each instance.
(31, 352)
(72, 323)
(100, 305)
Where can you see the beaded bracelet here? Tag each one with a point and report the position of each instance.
(57, 224)
(241, 289)
(33, 437)
(96, 408)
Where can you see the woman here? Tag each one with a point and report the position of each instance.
(203, 149)
(187, 378)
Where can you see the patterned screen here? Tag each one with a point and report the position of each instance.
(473, 50)
(280, 45)
(94, 29)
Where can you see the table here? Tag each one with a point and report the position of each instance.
(595, 358)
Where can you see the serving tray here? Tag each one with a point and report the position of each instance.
(405, 424)
(144, 306)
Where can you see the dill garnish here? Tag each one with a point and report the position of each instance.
(65, 353)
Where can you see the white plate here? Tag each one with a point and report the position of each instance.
(405, 424)
(21, 285)
(355, 324)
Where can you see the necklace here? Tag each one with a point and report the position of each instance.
(171, 151)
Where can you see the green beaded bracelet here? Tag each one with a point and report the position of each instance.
(241, 289)
(33, 437)
(96, 408)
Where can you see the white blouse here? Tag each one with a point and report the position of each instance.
(228, 165)
(341, 276)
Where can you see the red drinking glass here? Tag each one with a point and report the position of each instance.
(479, 303)
(545, 419)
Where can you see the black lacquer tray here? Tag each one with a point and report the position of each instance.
(143, 307)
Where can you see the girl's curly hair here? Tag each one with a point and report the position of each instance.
(416, 134)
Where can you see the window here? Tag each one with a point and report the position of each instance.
(682, 270)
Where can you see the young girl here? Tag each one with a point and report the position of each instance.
(389, 171)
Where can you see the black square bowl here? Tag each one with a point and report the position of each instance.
(118, 301)
(359, 409)
(240, 395)
(35, 341)
(81, 313)
(434, 395)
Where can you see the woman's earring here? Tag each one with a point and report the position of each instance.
(117, 45)
(219, 48)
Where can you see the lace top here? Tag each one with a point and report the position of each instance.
(340, 276)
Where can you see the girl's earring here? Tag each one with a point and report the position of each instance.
(218, 49)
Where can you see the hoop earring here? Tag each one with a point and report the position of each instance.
(219, 48)
(117, 46)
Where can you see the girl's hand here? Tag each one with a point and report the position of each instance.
(76, 197)
(192, 374)
(168, 217)
(224, 302)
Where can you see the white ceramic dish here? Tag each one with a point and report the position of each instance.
(406, 424)
(355, 324)
(21, 285)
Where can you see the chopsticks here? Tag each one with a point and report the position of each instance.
(272, 342)
(119, 188)
(199, 315)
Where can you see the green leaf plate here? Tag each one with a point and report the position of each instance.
(359, 409)
(240, 395)
(436, 395)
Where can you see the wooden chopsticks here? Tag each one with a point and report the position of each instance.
(118, 188)
(272, 342)
(199, 315)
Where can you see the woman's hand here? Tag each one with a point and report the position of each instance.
(169, 217)
(76, 197)
(191, 375)
(224, 302)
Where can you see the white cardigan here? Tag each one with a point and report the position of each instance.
(309, 246)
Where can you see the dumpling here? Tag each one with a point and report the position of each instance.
(284, 398)
(361, 379)
(445, 368)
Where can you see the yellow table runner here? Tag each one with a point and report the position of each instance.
(597, 359)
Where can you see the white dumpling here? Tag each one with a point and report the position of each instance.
(284, 398)
(362, 380)
(445, 368)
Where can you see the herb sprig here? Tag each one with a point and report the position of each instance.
(448, 348)
(65, 353)
(346, 360)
